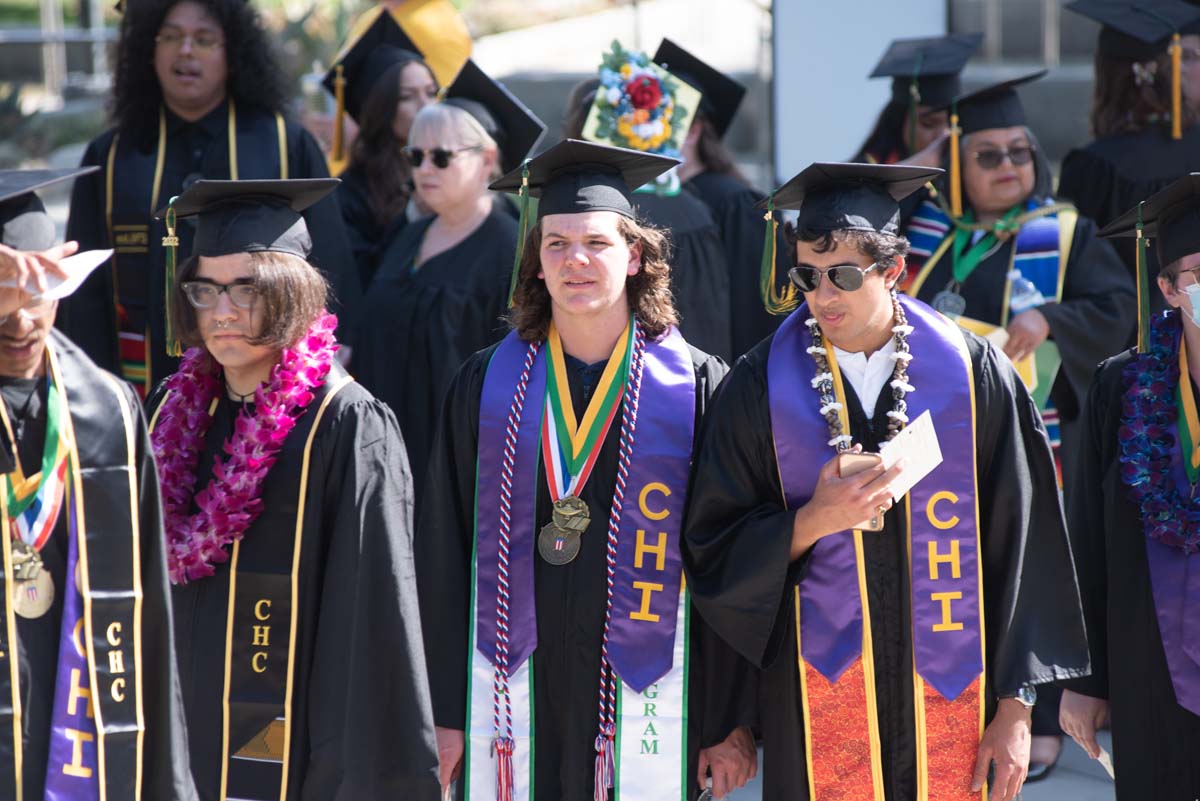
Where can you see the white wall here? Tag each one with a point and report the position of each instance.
(823, 106)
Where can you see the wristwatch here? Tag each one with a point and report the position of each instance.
(1027, 695)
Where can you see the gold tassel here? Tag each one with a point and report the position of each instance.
(171, 243)
(1176, 88)
(337, 158)
(776, 302)
(956, 207)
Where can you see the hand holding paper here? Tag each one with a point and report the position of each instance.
(918, 445)
(76, 269)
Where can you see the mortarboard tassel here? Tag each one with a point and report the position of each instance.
(1176, 88)
(775, 302)
(522, 229)
(956, 209)
(1143, 288)
(337, 158)
(171, 243)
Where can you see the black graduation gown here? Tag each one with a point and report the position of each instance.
(364, 232)
(164, 754)
(742, 227)
(419, 327)
(194, 150)
(571, 616)
(738, 538)
(361, 725)
(1155, 741)
(1094, 320)
(1109, 176)
(700, 279)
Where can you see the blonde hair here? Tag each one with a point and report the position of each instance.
(443, 121)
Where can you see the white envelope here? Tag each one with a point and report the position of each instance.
(77, 268)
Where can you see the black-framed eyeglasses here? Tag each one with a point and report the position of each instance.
(846, 277)
(992, 158)
(440, 156)
(204, 294)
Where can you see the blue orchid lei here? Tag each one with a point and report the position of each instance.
(1147, 438)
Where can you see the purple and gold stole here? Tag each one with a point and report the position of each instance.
(647, 646)
(833, 617)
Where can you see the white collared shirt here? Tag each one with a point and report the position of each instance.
(867, 376)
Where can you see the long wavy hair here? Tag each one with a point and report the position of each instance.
(887, 137)
(255, 81)
(648, 292)
(1123, 104)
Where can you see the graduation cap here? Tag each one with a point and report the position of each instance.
(1172, 217)
(995, 106)
(24, 223)
(720, 95)
(837, 197)
(362, 62)
(926, 71)
(516, 129)
(1139, 30)
(241, 217)
(575, 177)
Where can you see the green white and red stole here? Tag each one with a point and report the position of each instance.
(833, 616)
(643, 664)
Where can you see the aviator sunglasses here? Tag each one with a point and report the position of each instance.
(846, 277)
(440, 156)
(992, 158)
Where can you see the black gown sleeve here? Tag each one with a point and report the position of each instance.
(1096, 316)
(445, 535)
(1089, 525)
(331, 246)
(368, 674)
(167, 774)
(87, 316)
(1033, 619)
(737, 533)
(1089, 182)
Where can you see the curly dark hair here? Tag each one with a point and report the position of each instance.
(256, 80)
(881, 248)
(649, 292)
(1120, 105)
(376, 151)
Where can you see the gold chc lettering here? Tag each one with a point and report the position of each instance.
(951, 559)
(945, 598)
(647, 587)
(113, 634)
(259, 667)
(662, 489)
(936, 521)
(117, 690)
(659, 550)
(259, 614)
(78, 691)
(76, 768)
(262, 636)
(116, 662)
(77, 637)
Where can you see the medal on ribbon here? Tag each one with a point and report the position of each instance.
(34, 503)
(570, 448)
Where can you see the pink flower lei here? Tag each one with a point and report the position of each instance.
(231, 502)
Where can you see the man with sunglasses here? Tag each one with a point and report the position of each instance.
(887, 627)
(89, 693)
(287, 509)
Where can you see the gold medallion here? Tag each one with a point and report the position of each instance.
(572, 514)
(558, 546)
(34, 597)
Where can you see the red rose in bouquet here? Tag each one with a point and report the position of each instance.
(644, 92)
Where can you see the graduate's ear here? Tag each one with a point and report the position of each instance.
(893, 274)
(635, 258)
(1169, 291)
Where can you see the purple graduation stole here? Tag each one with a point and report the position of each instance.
(832, 613)
(647, 640)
